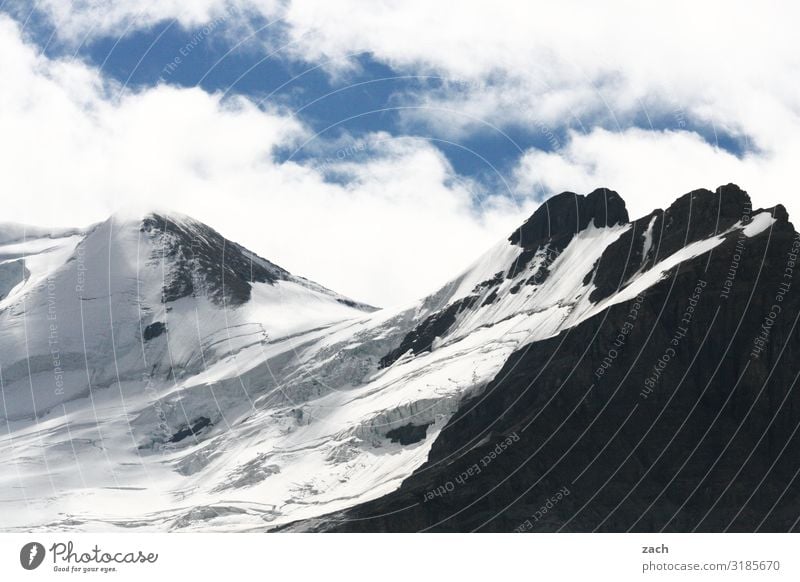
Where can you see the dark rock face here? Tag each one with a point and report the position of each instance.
(549, 231)
(206, 262)
(154, 330)
(421, 337)
(701, 214)
(695, 216)
(192, 430)
(562, 216)
(408, 434)
(678, 410)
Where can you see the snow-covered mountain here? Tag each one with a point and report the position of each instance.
(158, 376)
(663, 400)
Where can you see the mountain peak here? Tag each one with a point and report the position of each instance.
(705, 212)
(560, 217)
(227, 269)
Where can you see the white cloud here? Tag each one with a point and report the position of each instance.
(75, 19)
(651, 168)
(559, 58)
(728, 66)
(74, 148)
(684, 51)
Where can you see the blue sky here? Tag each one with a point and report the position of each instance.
(448, 122)
(368, 98)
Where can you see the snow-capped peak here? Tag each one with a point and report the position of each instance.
(152, 292)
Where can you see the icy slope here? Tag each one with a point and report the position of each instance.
(207, 388)
(90, 310)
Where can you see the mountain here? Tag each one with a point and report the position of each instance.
(588, 372)
(668, 404)
(159, 295)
